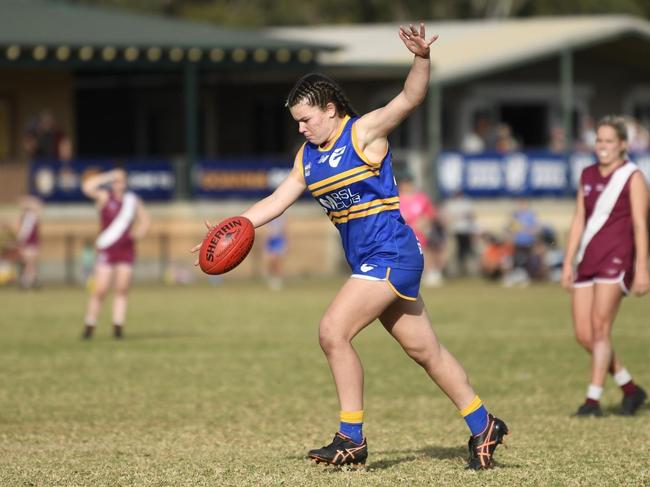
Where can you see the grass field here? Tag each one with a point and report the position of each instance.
(227, 386)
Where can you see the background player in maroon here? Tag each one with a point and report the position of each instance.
(27, 240)
(609, 240)
(119, 209)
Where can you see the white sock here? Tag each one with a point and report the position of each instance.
(90, 322)
(622, 377)
(594, 392)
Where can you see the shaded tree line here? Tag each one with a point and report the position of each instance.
(258, 13)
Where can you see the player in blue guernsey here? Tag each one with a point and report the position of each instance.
(346, 165)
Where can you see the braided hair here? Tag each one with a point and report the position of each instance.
(318, 90)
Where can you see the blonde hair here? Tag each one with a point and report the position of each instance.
(618, 124)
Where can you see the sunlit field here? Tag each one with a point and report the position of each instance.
(227, 385)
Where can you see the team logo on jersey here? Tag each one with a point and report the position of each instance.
(616, 260)
(323, 158)
(339, 200)
(335, 158)
(366, 267)
(308, 169)
(600, 187)
(587, 189)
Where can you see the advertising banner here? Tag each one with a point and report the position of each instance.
(55, 181)
(529, 174)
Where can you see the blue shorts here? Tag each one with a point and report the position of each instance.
(276, 245)
(404, 282)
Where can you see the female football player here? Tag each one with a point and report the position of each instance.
(609, 241)
(346, 165)
(118, 209)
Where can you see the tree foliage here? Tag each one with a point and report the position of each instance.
(257, 13)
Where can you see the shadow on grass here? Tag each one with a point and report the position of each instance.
(135, 336)
(614, 410)
(404, 456)
(438, 452)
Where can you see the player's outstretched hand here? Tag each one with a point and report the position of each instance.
(198, 246)
(416, 41)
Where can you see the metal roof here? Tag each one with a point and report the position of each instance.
(467, 48)
(40, 30)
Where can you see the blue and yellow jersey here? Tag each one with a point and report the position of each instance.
(360, 198)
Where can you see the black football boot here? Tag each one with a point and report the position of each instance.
(342, 451)
(481, 447)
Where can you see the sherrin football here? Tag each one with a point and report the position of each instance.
(226, 245)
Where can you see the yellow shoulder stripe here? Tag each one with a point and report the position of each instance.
(299, 157)
(364, 175)
(360, 153)
(336, 177)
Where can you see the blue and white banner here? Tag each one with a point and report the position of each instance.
(530, 174)
(55, 181)
(239, 178)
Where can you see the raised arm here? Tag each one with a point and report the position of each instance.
(373, 128)
(282, 198)
(639, 205)
(92, 186)
(573, 241)
(276, 203)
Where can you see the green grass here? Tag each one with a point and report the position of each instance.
(227, 386)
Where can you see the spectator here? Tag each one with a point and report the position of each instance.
(44, 140)
(558, 142)
(505, 141)
(422, 216)
(587, 140)
(275, 249)
(523, 228)
(496, 257)
(479, 139)
(638, 135)
(459, 212)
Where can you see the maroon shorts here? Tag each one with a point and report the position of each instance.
(124, 255)
(621, 275)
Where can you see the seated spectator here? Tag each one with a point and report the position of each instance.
(496, 257)
(523, 227)
(459, 212)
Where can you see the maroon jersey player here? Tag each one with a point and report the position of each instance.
(28, 240)
(609, 241)
(123, 220)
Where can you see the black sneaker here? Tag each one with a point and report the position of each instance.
(481, 447)
(342, 451)
(633, 402)
(588, 409)
(117, 332)
(88, 332)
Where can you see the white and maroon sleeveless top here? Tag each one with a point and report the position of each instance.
(28, 229)
(608, 233)
(116, 218)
